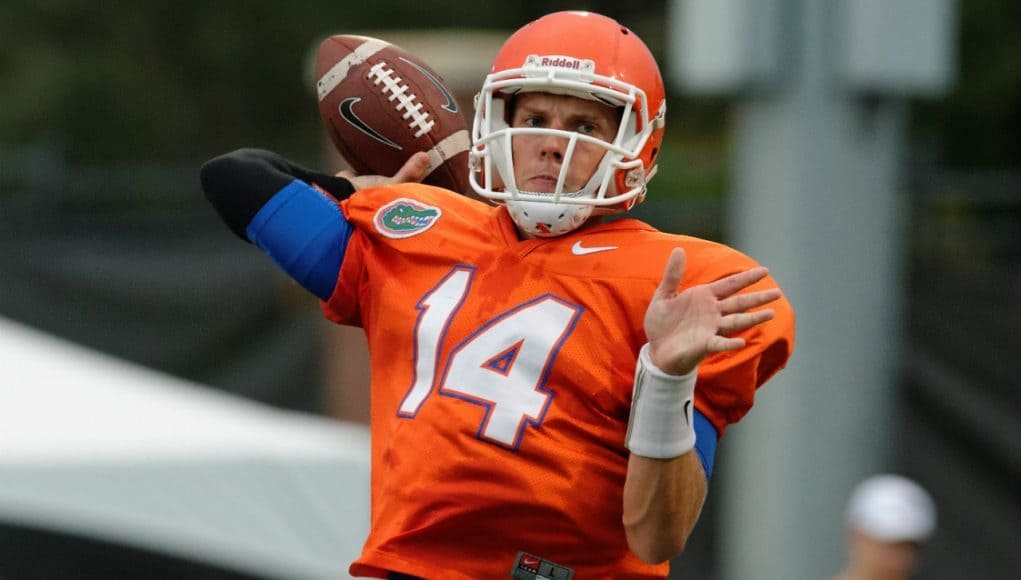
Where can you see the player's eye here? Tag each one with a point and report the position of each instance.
(534, 121)
(587, 128)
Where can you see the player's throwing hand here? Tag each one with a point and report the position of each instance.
(414, 170)
(683, 326)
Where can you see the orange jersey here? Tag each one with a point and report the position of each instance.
(502, 373)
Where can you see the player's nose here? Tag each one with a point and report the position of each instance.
(552, 146)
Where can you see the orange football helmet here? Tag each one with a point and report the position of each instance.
(585, 55)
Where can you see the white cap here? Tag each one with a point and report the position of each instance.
(892, 508)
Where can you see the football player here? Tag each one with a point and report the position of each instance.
(548, 389)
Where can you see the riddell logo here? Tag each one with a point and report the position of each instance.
(559, 61)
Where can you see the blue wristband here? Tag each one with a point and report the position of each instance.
(705, 442)
(305, 233)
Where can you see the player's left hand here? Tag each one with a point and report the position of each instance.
(683, 327)
(414, 170)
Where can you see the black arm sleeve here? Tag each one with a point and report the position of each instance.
(239, 183)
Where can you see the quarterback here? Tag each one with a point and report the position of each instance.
(548, 388)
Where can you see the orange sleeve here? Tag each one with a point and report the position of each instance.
(342, 306)
(728, 381)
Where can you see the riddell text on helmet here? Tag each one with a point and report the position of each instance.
(558, 61)
(561, 62)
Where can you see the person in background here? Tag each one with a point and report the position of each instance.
(889, 518)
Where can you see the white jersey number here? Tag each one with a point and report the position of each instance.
(502, 366)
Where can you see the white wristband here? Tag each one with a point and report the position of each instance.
(661, 424)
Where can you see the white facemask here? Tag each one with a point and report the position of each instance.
(555, 213)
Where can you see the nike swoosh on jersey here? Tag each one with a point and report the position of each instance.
(348, 113)
(579, 250)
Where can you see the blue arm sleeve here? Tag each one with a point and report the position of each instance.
(705, 442)
(305, 233)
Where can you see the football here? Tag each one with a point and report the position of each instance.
(381, 104)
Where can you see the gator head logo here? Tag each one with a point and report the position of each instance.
(404, 217)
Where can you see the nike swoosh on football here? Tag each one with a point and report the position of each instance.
(451, 104)
(348, 113)
(579, 250)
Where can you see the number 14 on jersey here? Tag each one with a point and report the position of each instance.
(502, 366)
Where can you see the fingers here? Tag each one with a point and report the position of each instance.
(724, 287)
(735, 323)
(672, 274)
(722, 343)
(414, 169)
(743, 302)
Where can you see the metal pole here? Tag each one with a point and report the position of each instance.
(815, 198)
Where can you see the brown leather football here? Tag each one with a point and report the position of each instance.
(381, 104)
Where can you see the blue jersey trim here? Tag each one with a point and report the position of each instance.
(305, 234)
(705, 442)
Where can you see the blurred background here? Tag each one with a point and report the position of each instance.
(869, 152)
